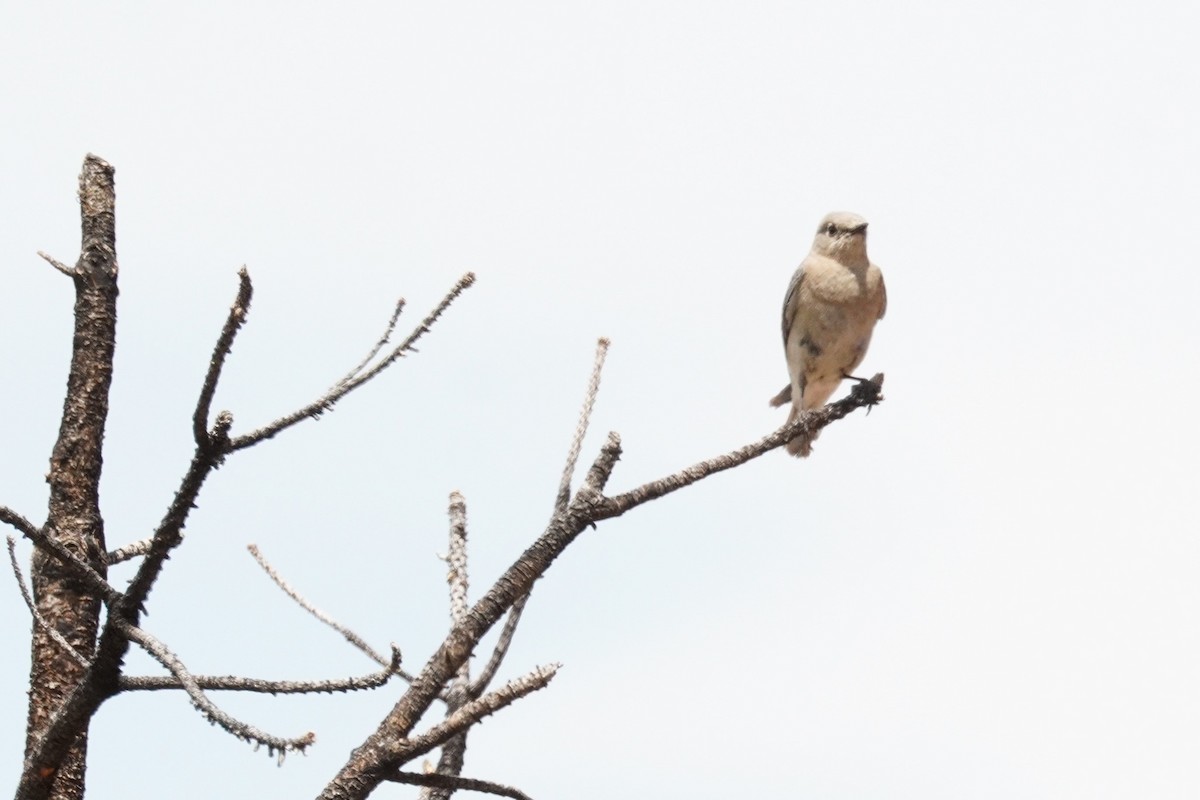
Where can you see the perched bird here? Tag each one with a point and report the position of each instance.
(829, 312)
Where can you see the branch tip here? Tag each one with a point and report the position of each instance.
(233, 323)
(357, 376)
(585, 415)
(347, 634)
(58, 265)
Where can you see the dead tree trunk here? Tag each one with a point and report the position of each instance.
(74, 517)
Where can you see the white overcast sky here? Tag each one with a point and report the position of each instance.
(988, 588)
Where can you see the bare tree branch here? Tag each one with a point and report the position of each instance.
(133, 550)
(70, 560)
(234, 683)
(601, 469)
(275, 745)
(864, 394)
(438, 781)
(102, 681)
(475, 710)
(58, 265)
(374, 351)
(169, 533)
(18, 521)
(326, 401)
(40, 621)
(233, 323)
(454, 750)
(585, 416)
(480, 684)
(349, 635)
(387, 748)
(70, 557)
(456, 558)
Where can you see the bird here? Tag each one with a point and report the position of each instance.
(829, 313)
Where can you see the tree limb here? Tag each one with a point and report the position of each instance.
(863, 395)
(438, 781)
(473, 711)
(326, 401)
(58, 265)
(84, 572)
(454, 750)
(349, 635)
(38, 620)
(585, 416)
(234, 683)
(233, 323)
(480, 684)
(374, 351)
(132, 550)
(387, 747)
(275, 745)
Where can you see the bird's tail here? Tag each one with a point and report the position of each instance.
(801, 446)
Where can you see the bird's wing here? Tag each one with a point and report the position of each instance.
(883, 289)
(790, 300)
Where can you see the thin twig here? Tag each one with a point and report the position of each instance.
(456, 558)
(374, 351)
(349, 635)
(326, 401)
(58, 265)
(18, 521)
(472, 712)
(275, 745)
(436, 780)
(585, 416)
(235, 683)
(132, 550)
(480, 684)
(38, 619)
(235, 320)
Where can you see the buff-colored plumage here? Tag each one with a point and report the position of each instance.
(830, 310)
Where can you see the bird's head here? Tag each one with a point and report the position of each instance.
(841, 234)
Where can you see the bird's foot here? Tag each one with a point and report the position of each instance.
(870, 388)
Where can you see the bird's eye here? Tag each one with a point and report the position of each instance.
(831, 229)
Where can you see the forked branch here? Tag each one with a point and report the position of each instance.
(275, 745)
(326, 401)
(390, 746)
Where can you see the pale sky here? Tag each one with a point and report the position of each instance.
(988, 588)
